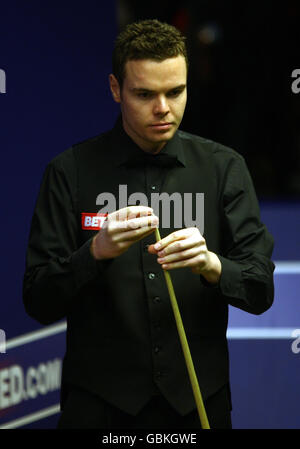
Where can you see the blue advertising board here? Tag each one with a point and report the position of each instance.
(55, 58)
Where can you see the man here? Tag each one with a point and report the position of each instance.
(124, 365)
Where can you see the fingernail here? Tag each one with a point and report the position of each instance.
(157, 245)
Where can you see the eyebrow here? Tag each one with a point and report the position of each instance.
(143, 89)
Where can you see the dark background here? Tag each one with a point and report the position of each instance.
(57, 57)
(242, 55)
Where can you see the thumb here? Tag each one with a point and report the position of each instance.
(151, 249)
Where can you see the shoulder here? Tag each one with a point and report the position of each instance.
(225, 165)
(208, 147)
(70, 158)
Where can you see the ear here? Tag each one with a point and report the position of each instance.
(115, 88)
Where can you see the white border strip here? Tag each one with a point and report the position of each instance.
(264, 333)
(287, 267)
(28, 419)
(36, 335)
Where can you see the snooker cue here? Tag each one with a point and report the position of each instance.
(185, 348)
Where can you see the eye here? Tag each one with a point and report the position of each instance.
(175, 93)
(144, 95)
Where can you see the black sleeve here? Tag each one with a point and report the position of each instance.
(56, 267)
(247, 270)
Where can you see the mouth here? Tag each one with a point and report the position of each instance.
(163, 125)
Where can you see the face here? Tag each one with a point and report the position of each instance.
(152, 100)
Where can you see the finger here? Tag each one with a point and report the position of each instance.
(139, 213)
(145, 234)
(177, 235)
(181, 245)
(159, 246)
(172, 247)
(117, 226)
(133, 235)
(151, 249)
(135, 223)
(177, 246)
(181, 255)
(192, 262)
(134, 211)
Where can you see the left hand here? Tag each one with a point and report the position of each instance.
(187, 248)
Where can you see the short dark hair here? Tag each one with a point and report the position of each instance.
(146, 39)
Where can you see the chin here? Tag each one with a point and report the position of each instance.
(162, 135)
(160, 140)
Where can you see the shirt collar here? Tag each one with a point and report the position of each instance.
(125, 148)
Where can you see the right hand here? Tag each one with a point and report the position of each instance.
(121, 229)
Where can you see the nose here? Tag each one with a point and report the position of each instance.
(161, 106)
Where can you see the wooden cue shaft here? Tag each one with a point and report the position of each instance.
(185, 348)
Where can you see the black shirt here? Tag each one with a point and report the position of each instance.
(121, 334)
